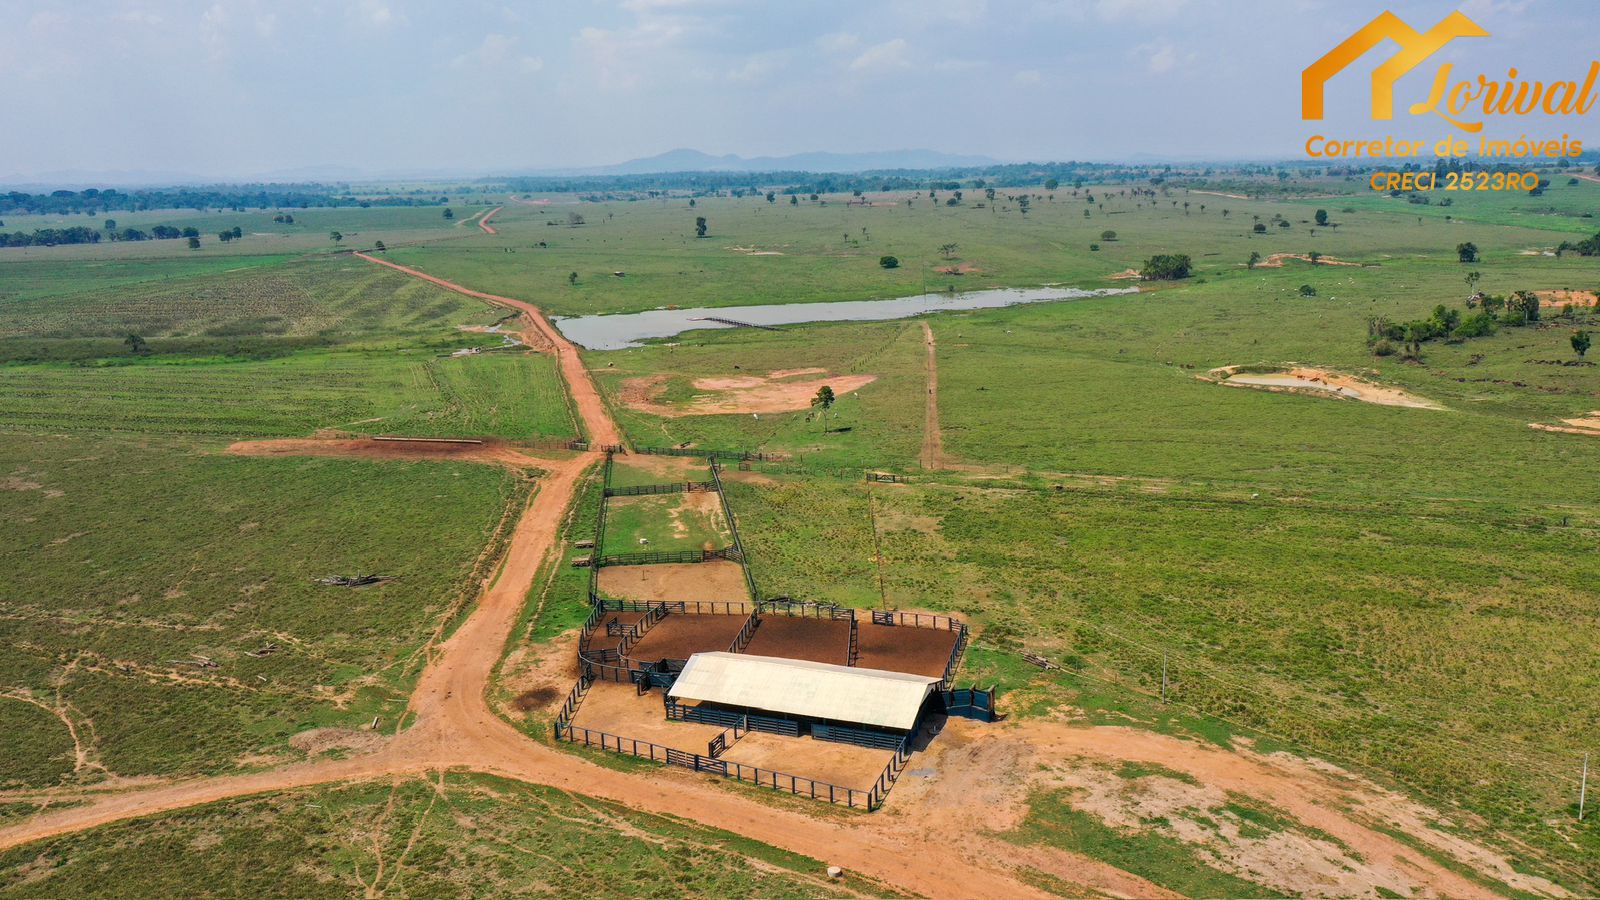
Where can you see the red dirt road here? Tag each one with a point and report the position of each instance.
(591, 410)
(484, 222)
(923, 844)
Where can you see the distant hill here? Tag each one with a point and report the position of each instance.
(686, 160)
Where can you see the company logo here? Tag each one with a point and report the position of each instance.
(1465, 104)
(1458, 103)
(1414, 48)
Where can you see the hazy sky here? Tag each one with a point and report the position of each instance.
(239, 87)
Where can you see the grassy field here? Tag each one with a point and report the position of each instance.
(1406, 591)
(131, 558)
(461, 836)
(830, 252)
(665, 523)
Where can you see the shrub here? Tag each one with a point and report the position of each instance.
(1166, 267)
(1383, 348)
(1307, 290)
(889, 262)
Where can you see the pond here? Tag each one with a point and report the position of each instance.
(619, 331)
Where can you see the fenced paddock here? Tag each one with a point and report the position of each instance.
(818, 640)
(903, 648)
(682, 635)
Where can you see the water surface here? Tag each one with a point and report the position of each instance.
(616, 332)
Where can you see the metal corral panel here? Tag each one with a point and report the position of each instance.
(797, 687)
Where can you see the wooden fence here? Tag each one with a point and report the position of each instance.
(672, 487)
(658, 557)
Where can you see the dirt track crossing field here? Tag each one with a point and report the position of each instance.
(935, 840)
(932, 440)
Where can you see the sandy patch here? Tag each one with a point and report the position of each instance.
(777, 374)
(1568, 298)
(1126, 275)
(753, 251)
(719, 580)
(1275, 261)
(1319, 382)
(1589, 425)
(739, 394)
(1221, 194)
(960, 269)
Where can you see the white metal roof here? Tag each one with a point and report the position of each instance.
(799, 687)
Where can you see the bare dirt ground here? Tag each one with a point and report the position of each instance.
(484, 221)
(959, 269)
(845, 765)
(793, 637)
(1275, 261)
(902, 648)
(754, 251)
(681, 635)
(715, 580)
(744, 394)
(932, 439)
(933, 839)
(1320, 382)
(1342, 851)
(490, 452)
(1588, 425)
(1568, 298)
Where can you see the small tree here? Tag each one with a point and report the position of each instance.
(889, 262)
(449, 213)
(1322, 217)
(225, 236)
(194, 243)
(1108, 236)
(1314, 257)
(823, 402)
(336, 236)
(1251, 262)
(1467, 252)
(135, 344)
(1307, 290)
(1259, 228)
(1472, 280)
(378, 246)
(237, 232)
(700, 226)
(572, 278)
(948, 251)
(1580, 342)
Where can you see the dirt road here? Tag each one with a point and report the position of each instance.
(484, 222)
(935, 843)
(592, 411)
(932, 440)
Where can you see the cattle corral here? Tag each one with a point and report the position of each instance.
(811, 698)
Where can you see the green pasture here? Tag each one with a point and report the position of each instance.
(458, 836)
(130, 558)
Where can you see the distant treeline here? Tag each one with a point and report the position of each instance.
(272, 196)
(790, 182)
(82, 234)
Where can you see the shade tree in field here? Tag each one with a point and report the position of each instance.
(335, 236)
(1108, 236)
(823, 402)
(1166, 267)
(449, 213)
(1251, 262)
(948, 251)
(700, 226)
(1580, 342)
(889, 262)
(1467, 252)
